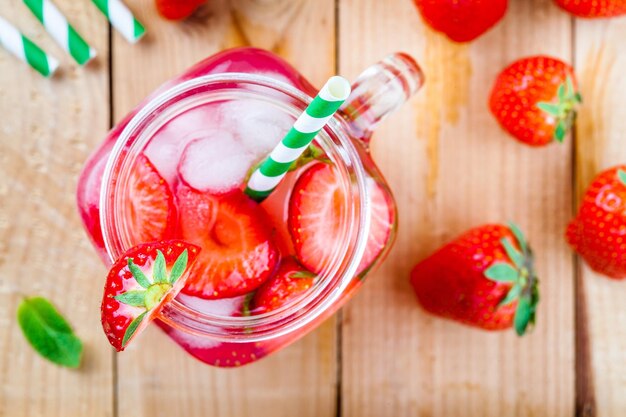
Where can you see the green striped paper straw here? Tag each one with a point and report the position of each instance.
(121, 18)
(272, 170)
(23, 48)
(61, 31)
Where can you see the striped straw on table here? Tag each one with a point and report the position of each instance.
(23, 48)
(272, 170)
(121, 18)
(63, 33)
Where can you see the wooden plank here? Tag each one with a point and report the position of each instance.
(601, 64)
(452, 168)
(48, 129)
(155, 377)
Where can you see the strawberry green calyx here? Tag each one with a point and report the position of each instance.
(521, 275)
(303, 275)
(313, 153)
(153, 292)
(621, 175)
(564, 111)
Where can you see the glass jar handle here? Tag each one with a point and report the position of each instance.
(380, 90)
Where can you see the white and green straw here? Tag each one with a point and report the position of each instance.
(121, 18)
(23, 48)
(272, 170)
(63, 33)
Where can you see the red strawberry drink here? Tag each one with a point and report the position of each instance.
(267, 272)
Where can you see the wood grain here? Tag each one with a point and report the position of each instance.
(48, 128)
(452, 168)
(601, 136)
(155, 377)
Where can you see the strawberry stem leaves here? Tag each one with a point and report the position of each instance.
(564, 111)
(511, 296)
(246, 311)
(523, 315)
(551, 109)
(135, 298)
(138, 274)
(514, 254)
(621, 175)
(132, 328)
(312, 153)
(303, 275)
(519, 236)
(179, 267)
(160, 274)
(154, 292)
(525, 283)
(502, 272)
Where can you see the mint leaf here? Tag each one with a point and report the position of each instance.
(514, 254)
(140, 277)
(132, 298)
(48, 332)
(159, 271)
(132, 328)
(622, 176)
(501, 272)
(179, 267)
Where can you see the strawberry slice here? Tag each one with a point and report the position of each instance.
(238, 250)
(151, 210)
(288, 283)
(139, 284)
(315, 213)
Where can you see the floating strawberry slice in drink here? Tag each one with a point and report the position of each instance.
(315, 212)
(139, 284)
(238, 250)
(151, 208)
(287, 284)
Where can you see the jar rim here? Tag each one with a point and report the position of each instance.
(292, 316)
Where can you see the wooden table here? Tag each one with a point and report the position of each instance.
(451, 168)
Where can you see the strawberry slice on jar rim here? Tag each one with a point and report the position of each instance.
(140, 283)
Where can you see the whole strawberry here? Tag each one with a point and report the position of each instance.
(483, 278)
(598, 232)
(535, 100)
(177, 9)
(593, 8)
(464, 20)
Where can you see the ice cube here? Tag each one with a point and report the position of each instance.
(168, 144)
(225, 307)
(217, 163)
(257, 125)
(192, 341)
